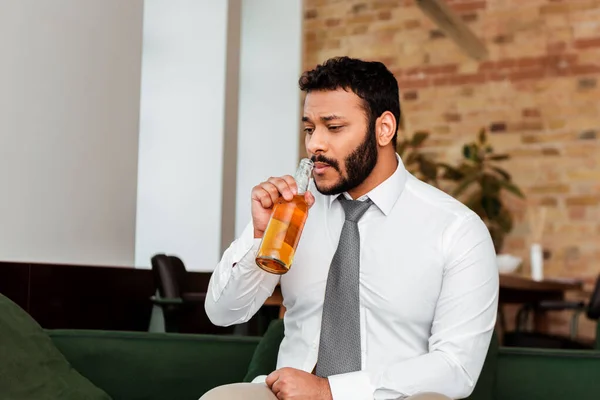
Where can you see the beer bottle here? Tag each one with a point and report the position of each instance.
(278, 245)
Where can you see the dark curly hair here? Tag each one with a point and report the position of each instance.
(369, 80)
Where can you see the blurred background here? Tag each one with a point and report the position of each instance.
(527, 76)
(135, 128)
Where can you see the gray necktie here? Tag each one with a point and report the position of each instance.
(339, 347)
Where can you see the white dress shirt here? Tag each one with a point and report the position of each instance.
(428, 291)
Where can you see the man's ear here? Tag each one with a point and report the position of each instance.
(385, 128)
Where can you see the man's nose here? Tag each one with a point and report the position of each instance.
(317, 142)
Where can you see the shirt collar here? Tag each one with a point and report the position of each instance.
(385, 195)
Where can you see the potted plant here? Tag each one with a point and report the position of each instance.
(416, 162)
(480, 183)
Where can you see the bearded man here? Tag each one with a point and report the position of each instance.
(411, 309)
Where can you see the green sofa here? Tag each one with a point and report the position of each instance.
(41, 364)
(157, 366)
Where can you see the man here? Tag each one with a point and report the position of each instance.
(406, 304)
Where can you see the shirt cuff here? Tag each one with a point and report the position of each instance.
(260, 379)
(245, 243)
(239, 259)
(351, 386)
(247, 262)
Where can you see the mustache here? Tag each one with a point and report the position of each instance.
(329, 161)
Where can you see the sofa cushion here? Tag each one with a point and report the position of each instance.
(153, 365)
(264, 359)
(548, 374)
(31, 367)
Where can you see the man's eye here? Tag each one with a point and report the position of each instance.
(308, 131)
(335, 127)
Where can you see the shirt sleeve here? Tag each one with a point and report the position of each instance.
(461, 331)
(238, 287)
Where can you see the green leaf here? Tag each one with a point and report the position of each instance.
(490, 185)
(502, 172)
(419, 138)
(467, 151)
(468, 168)
(428, 168)
(499, 157)
(482, 136)
(478, 154)
(504, 220)
(451, 173)
(471, 152)
(474, 203)
(401, 148)
(512, 188)
(464, 184)
(492, 206)
(497, 237)
(412, 157)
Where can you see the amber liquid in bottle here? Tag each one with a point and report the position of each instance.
(278, 246)
(282, 235)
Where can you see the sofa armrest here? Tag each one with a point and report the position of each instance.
(528, 373)
(141, 365)
(194, 297)
(161, 301)
(560, 305)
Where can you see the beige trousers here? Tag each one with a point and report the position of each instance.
(259, 391)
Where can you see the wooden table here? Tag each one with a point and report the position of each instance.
(519, 289)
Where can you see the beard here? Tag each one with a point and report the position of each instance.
(359, 165)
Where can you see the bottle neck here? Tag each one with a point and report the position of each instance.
(303, 175)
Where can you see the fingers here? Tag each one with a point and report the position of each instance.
(276, 380)
(285, 185)
(274, 383)
(262, 196)
(272, 192)
(310, 199)
(291, 183)
(276, 388)
(272, 378)
(268, 192)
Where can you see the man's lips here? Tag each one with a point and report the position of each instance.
(320, 167)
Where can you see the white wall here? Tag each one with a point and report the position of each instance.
(69, 100)
(183, 119)
(269, 104)
(75, 91)
(181, 131)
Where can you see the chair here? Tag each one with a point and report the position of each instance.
(172, 296)
(522, 338)
(174, 299)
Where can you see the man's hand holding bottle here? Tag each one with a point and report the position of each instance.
(266, 194)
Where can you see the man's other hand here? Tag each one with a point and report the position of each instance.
(294, 384)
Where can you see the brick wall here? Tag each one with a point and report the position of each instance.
(538, 94)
